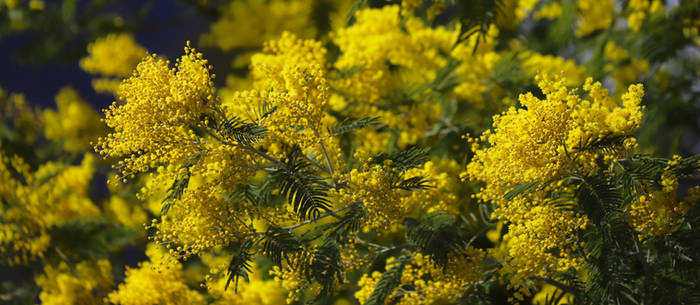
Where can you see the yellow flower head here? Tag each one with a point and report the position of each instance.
(113, 55)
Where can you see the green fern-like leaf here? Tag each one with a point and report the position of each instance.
(266, 109)
(278, 244)
(236, 129)
(350, 222)
(347, 125)
(404, 159)
(327, 267)
(436, 235)
(520, 189)
(413, 184)
(607, 144)
(304, 190)
(388, 282)
(178, 187)
(476, 17)
(240, 264)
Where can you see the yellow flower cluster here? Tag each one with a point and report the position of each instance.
(37, 201)
(376, 42)
(74, 122)
(424, 282)
(539, 143)
(86, 284)
(280, 15)
(476, 66)
(537, 231)
(594, 15)
(535, 63)
(623, 69)
(373, 187)
(381, 56)
(550, 11)
(114, 57)
(159, 281)
(640, 10)
(256, 291)
(658, 211)
(290, 75)
(126, 213)
(385, 204)
(531, 144)
(154, 129)
(157, 108)
(16, 112)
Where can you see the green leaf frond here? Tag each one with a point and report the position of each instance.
(327, 267)
(350, 222)
(476, 17)
(446, 78)
(348, 125)
(600, 197)
(265, 110)
(388, 282)
(278, 243)
(260, 195)
(403, 160)
(520, 189)
(235, 129)
(436, 235)
(417, 183)
(304, 190)
(240, 264)
(178, 187)
(608, 144)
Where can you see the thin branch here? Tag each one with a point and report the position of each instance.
(308, 221)
(325, 154)
(250, 148)
(560, 285)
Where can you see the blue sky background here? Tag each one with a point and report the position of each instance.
(41, 83)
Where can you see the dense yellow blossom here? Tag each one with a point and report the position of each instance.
(594, 15)
(623, 69)
(87, 283)
(280, 15)
(125, 212)
(154, 129)
(658, 211)
(256, 291)
(113, 57)
(529, 144)
(550, 11)
(384, 66)
(290, 74)
(538, 144)
(640, 10)
(155, 282)
(74, 122)
(476, 66)
(156, 110)
(376, 41)
(426, 282)
(535, 63)
(40, 200)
